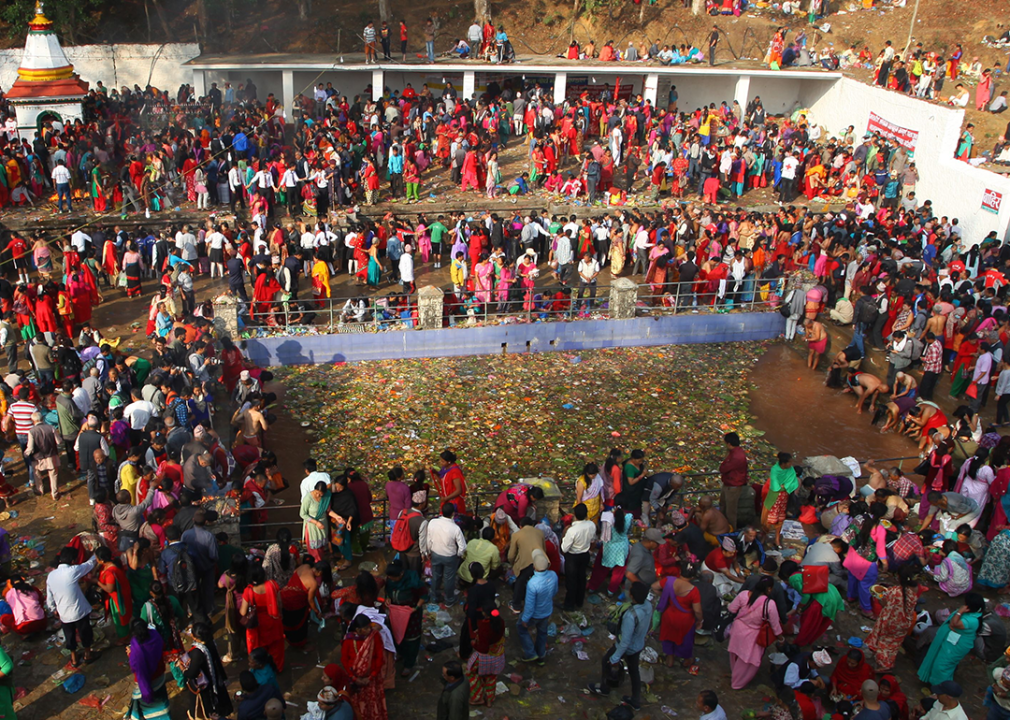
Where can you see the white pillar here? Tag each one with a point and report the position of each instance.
(469, 84)
(288, 90)
(742, 94)
(200, 83)
(378, 84)
(651, 88)
(560, 87)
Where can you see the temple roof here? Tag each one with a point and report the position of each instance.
(45, 71)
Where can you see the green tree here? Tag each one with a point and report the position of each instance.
(73, 20)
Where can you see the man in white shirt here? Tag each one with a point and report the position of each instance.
(308, 245)
(65, 597)
(289, 181)
(576, 544)
(947, 705)
(445, 545)
(642, 245)
(80, 240)
(407, 269)
(787, 183)
(708, 703)
(235, 188)
(312, 476)
(61, 179)
(138, 413)
(186, 242)
(588, 271)
(475, 36)
(263, 183)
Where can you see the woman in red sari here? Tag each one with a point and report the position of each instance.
(24, 310)
(189, 175)
(997, 490)
(80, 295)
(118, 598)
(897, 617)
(606, 171)
(110, 265)
(232, 364)
(849, 675)
(263, 296)
(265, 597)
(450, 481)
(45, 313)
(363, 658)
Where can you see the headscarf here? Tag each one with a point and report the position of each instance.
(849, 681)
(899, 698)
(549, 535)
(728, 544)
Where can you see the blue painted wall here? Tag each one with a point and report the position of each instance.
(536, 337)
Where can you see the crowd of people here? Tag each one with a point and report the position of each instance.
(170, 441)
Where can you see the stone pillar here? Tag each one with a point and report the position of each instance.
(651, 89)
(200, 83)
(742, 94)
(560, 87)
(429, 307)
(226, 316)
(288, 91)
(378, 84)
(469, 84)
(623, 298)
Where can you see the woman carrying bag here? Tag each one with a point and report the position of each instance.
(755, 627)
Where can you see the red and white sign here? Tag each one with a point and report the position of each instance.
(991, 200)
(902, 136)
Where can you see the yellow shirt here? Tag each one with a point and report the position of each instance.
(129, 477)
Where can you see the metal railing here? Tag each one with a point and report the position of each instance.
(483, 501)
(546, 303)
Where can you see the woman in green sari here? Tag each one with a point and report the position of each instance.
(165, 613)
(140, 571)
(6, 687)
(313, 514)
(953, 641)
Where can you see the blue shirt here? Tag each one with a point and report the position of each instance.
(540, 592)
(635, 626)
(240, 142)
(395, 164)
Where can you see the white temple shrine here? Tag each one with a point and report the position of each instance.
(47, 86)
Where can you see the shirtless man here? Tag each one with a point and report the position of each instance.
(876, 480)
(901, 401)
(711, 520)
(251, 421)
(936, 324)
(904, 384)
(866, 387)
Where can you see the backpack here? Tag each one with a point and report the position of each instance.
(400, 538)
(616, 619)
(181, 575)
(866, 310)
(918, 347)
(86, 367)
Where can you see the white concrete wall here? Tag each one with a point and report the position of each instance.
(118, 65)
(955, 187)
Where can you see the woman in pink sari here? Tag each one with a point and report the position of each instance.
(423, 239)
(656, 275)
(506, 276)
(983, 93)
(483, 278)
(528, 272)
(753, 608)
